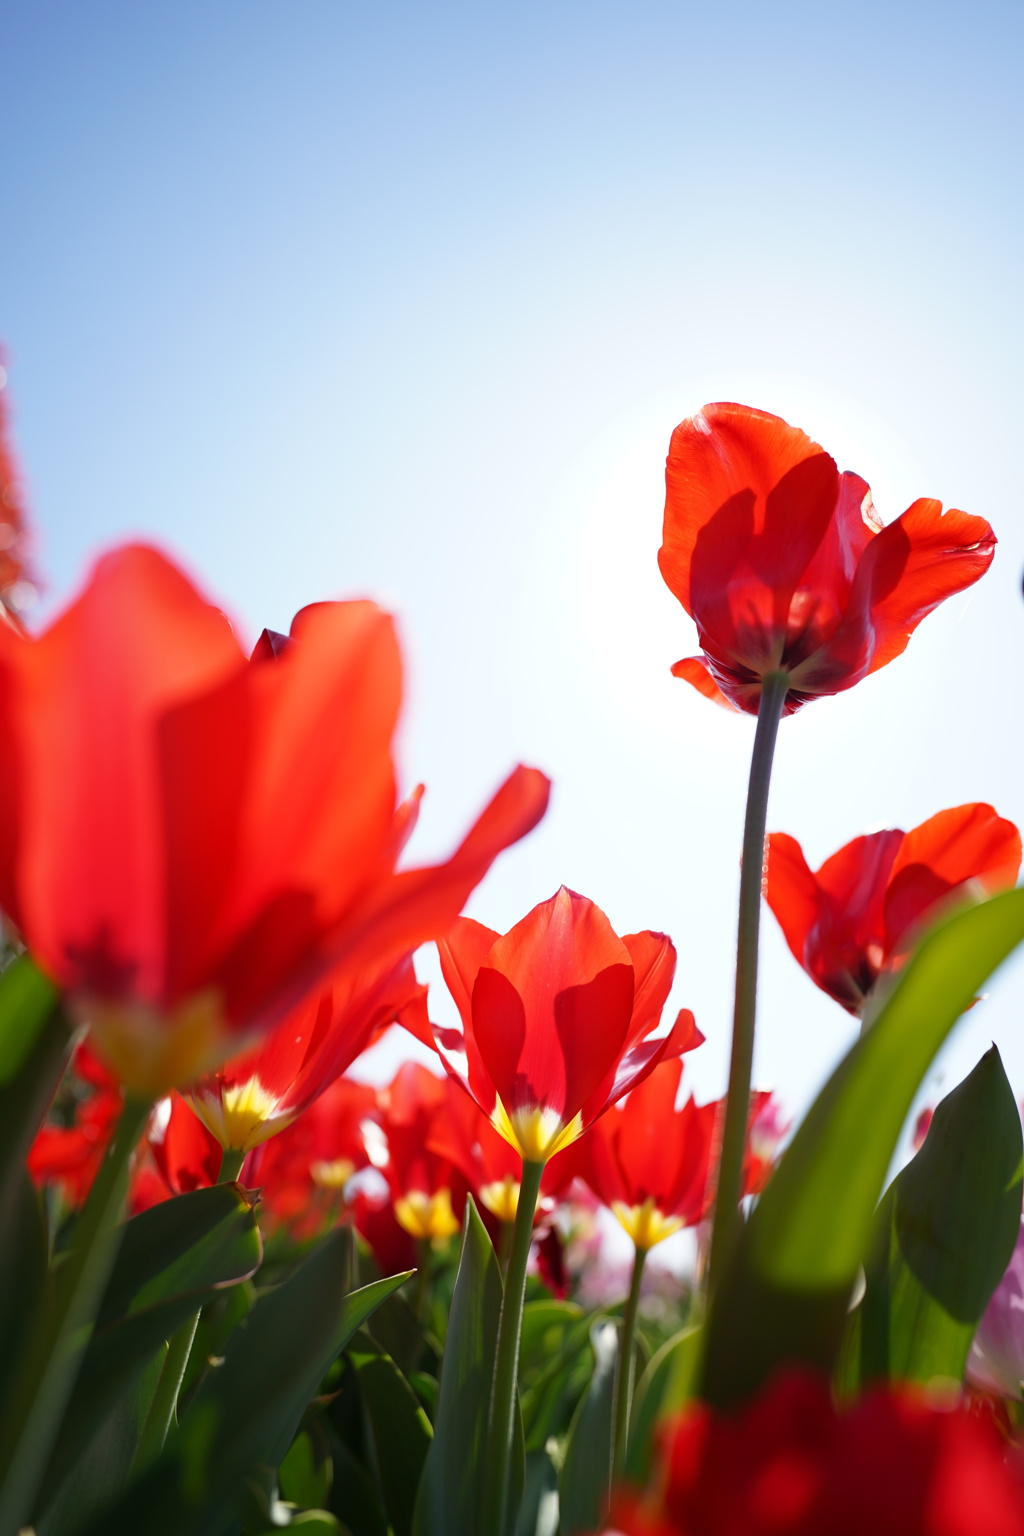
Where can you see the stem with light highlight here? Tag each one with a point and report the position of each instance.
(774, 687)
(506, 1364)
(624, 1369)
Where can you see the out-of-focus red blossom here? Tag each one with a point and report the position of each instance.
(69, 1156)
(861, 910)
(305, 1170)
(14, 566)
(428, 1191)
(766, 1129)
(187, 1156)
(922, 1125)
(783, 563)
(788, 1464)
(649, 1161)
(192, 841)
(254, 1096)
(550, 1252)
(391, 1245)
(556, 1016)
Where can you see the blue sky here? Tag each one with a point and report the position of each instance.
(405, 300)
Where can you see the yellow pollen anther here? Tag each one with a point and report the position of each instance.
(240, 1116)
(645, 1224)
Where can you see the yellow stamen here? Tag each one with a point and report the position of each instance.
(645, 1224)
(501, 1198)
(427, 1217)
(334, 1175)
(240, 1117)
(536, 1133)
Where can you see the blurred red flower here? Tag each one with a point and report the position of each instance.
(68, 1154)
(783, 563)
(428, 1190)
(556, 1017)
(190, 842)
(863, 907)
(789, 1464)
(254, 1096)
(305, 1171)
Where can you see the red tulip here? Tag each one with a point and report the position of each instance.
(556, 1018)
(789, 1465)
(68, 1154)
(254, 1096)
(191, 842)
(305, 1171)
(428, 1191)
(649, 1162)
(183, 1150)
(783, 563)
(861, 909)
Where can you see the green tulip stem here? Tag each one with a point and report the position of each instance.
(625, 1365)
(52, 1358)
(231, 1160)
(506, 1364)
(774, 687)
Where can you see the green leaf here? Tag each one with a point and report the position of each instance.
(23, 1266)
(944, 1235)
(246, 1412)
(538, 1512)
(557, 1362)
(171, 1258)
(27, 1001)
(399, 1428)
(306, 1473)
(585, 1483)
(785, 1292)
(669, 1381)
(451, 1485)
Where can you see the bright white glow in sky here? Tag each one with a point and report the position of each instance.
(406, 300)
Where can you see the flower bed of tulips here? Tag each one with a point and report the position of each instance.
(241, 1290)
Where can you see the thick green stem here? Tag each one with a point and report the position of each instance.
(51, 1361)
(624, 1368)
(231, 1160)
(163, 1408)
(506, 1363)
(774, 687)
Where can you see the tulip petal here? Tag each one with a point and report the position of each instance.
(694, 671)
(654, 967)
(965, 843)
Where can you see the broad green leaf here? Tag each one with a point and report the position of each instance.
(450, 1487)
(669, 1381)
(305, 1475)
(585, 1481)
(171, 1258)
(355, 1494)
(400, 1429)
(23, 1269)
(27, 1001)
(786, 1289)
(246, 1412)
(944, 1235)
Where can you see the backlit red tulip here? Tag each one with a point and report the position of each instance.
(254, 1096)
(784, 565)
(649, 1161)
(428, 1191)
(789, 1464)
(305, 1171)
(557, 1016)
(861, 909)
(191, 841)
(183, 1150)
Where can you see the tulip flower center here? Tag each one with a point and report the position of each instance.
(502, 1197)
(645, 1224)
(241, 1115)
(427, 1217)
(537, 1133)
(332, 1175)
(151, 1051)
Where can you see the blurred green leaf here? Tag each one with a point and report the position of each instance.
(306, 1473)
(171, 1257)
(23, 1269)
(399, 1428)
(669, 1381)
(27, 1001)
(450, 1487)
(556, 1365)
(944, 1234)
(585, 1481)
(785, 1292)
(246, 1412)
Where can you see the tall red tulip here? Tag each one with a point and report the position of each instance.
(190, 841)
(784, 565)
(556, 1016)
(855, 915)
(649, 1161)
(789, 1464)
